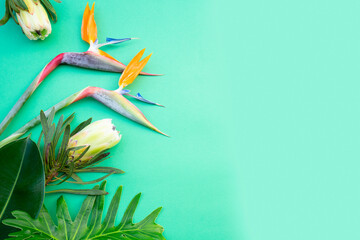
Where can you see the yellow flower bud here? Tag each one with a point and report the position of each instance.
(100, 136)
(34, 22)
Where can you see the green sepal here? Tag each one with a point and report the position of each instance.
(50, 9)
(80, 127)
(6, 17)
(20, 4)
(13, 6)
(11, 11)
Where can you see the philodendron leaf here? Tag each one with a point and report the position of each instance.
(87, 224)
(22, 180)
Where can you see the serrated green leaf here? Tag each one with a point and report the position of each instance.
(109, 220)
(79, 226)
(96, 214)
(63, 219)
(30, 228)
(129, 213)
(146, 229)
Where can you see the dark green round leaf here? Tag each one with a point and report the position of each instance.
(22, 180)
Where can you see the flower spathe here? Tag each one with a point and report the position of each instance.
(98, 136)
(34, 22)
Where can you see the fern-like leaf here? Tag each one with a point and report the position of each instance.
(85, 227)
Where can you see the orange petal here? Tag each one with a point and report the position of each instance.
(84, 34)
(92, 29)
(88, 26)
(133, 69)
(107, 55)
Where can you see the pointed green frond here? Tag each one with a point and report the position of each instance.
(96, 214)
(63, 219)
(109, 220)
(80, 127)
(80, 224)
(83, 228)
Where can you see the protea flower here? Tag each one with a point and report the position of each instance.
(66, 153)
(96, 138)
(32, 16)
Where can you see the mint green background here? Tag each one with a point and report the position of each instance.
(262, 105)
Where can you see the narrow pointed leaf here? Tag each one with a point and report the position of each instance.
(93, 181)
(109, 220)
(80, 127)
(80, 222)
(76, 177)
(101, 170)
(96, 214)
(129, 213)
(63, 219)
(91, 192)
(7, 14)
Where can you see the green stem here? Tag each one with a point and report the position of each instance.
(10, 116)
(35, 121)
(29, 91)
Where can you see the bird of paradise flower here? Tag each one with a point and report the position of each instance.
(96, 59)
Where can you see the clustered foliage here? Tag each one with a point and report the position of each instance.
(86, 227)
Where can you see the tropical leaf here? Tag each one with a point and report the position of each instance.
(87, 224)
(22, 180)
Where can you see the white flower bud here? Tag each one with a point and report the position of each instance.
(99, 135)
(35, 22)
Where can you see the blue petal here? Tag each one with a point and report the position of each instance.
(115, 41)
(124, 91)
(140, 98)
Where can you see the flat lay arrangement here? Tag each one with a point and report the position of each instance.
(63, 152)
